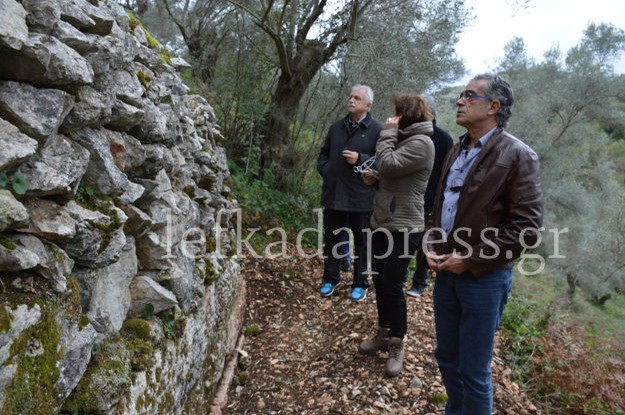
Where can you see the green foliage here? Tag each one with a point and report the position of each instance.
(17, 182)
(167, 319)
(523, 334)
(85, 195)
(264, 208)
(148, 311)
(7, 243)
(252, 330)
(568, 354)
(439, 398)
(569, 110)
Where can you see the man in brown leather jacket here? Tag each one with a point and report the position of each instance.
(487, 211)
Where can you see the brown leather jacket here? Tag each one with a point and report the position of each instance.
(500, 208)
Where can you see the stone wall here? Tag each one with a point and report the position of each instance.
(120, 292)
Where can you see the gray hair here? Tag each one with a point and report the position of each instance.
(499, 89)
(368, 92)
(431, 103)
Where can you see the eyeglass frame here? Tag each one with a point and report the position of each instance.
(470, 96)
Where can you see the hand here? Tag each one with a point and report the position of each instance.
(369, 180)
(351, 157)
(392, 122)
(448, 262)
(433, 259)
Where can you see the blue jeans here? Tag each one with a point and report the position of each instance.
(467, 311)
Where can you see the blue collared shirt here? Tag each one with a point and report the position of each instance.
(455, 179)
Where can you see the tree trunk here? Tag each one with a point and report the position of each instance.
(572, 282)
(278, 151)
(204, 61)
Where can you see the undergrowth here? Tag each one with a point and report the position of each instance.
(277, 216)
(569, 365)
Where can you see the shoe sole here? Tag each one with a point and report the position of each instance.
(415, 295)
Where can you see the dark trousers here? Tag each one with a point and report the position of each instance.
(420, 276)
(392, 253)
(333, 221)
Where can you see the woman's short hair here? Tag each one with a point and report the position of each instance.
(411, 108)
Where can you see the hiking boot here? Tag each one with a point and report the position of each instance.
(378, 342)
(327, 289)
(359, 294)
(415, 291)
(395, 361)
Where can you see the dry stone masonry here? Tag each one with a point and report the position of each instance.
(119, 289)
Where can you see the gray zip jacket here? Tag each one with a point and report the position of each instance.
(404, 160)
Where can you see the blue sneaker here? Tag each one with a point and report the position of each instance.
(327, 289)
(359, 294)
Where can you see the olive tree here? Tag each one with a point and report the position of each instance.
(560, 103)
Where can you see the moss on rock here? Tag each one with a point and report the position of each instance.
(7, 243)
(107, 378)
(136, 327)
(5, 319)
(35, 353)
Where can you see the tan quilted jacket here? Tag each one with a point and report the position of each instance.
(404, 160)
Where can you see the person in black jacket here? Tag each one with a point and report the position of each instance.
(442, 143)
(346, 200)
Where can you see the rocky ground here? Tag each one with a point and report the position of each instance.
(304, 359)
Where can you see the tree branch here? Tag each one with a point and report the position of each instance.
(260, 22)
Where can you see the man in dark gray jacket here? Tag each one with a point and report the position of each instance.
(346, 200)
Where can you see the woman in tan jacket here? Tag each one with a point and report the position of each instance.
(404, 159)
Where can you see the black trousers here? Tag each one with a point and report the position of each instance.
(392, 252)
(333, 222)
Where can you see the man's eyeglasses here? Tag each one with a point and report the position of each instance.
(471, 96)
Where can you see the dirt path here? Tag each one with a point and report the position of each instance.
(304, 360)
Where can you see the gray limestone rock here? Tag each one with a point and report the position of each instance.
(12, 213)
(107, 292)
(124, 116)
(86, 17)
(57, 169)
(123, 85)
(44, 60)
(49, 220)
(93, 108)
(102, 173)
(15, 257)
(15, 147)
(42, 15)
(36, 112)
(13, 29)
(143, 291)
(54, 264)
(99, 237)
